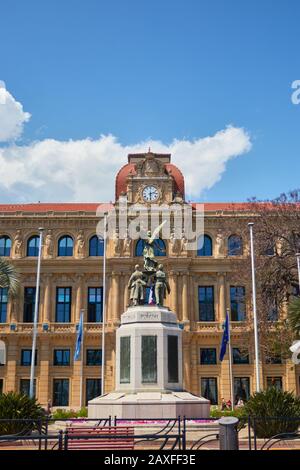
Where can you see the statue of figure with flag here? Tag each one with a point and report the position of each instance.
(161, 286)
(150, 263)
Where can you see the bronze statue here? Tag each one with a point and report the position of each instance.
(137, 286)
(161, 286)
(150, 263)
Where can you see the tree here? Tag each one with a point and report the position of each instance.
(276, 242)
(8, 277)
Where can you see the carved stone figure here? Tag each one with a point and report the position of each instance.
(137, 286)
(174, 245)
(49, 245)
(80, 245)
(219, 244)
(18, 243)
(184, 245)
(116, 243)
(127, 245)
(161, 286)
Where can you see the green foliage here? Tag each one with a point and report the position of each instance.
(18, 406)
(284, 407)
(239, 413)
(8, 277)
(294, 315)
(69, 414)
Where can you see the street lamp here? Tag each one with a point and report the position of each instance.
(250, 225)
(36, 311)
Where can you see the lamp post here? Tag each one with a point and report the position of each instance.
(36, 311)
(250, 225)
(103, 308)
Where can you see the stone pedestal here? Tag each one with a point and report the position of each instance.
(148, 370)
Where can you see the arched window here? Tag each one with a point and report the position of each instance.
(33, 246)
(204, 246)
(235, 245)
(159, 247)
(65, 246)
(5, 246)
(2, 353)
(96, 247)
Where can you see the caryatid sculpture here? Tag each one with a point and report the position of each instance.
(161, 286)
(137, 286)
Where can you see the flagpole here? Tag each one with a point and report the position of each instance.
(35, 319)
(82, 359)
(230, 360)
(103, 307)
(250, 225)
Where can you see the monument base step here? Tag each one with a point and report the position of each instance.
(149, 405)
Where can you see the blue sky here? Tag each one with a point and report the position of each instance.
(161, 70)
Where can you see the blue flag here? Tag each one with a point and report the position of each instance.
(79, 339)
(225, 338)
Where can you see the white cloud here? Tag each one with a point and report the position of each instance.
(85, 170)
(12, 116)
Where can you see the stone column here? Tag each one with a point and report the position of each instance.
(14, 310)
(186, 349)
(179, 297)
(108, 312)
(11, 367)
(221, 298)
(79, 292)
(185, 307)
(191, 299)
(47, 299)
(173, 295)
(115, 293)
(44, 364)
(126, 292)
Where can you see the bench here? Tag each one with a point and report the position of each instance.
(85, 438)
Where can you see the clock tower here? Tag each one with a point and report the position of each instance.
(150, 178)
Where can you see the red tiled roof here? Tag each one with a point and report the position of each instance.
(93, 206)
(121, 178)
(55, 207)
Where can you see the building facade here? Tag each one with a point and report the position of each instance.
(202, 283)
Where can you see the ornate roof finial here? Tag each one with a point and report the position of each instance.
(149, 150)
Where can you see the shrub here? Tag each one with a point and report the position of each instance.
(18, 406)
(237, 413)
(283, 407)
(69, 414)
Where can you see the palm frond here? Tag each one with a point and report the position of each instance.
(9, 277)
(294, 315)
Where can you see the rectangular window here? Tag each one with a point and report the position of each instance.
(125, 360)
(172, 359)
(241, 389)
(1, 386)
(25, 387)
(208, 356)
(149, 359)
(95, 307)
(274, 382)
(209, 389)
(273, 360)
(238, 303)
(93, 357)
(63, 305)
(240, 357)
(3, 304)
(93, 389)
(206, 303)
(29, 303)
(61, 357)
(26, 357)
(60, 392)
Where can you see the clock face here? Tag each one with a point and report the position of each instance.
(150, 193)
